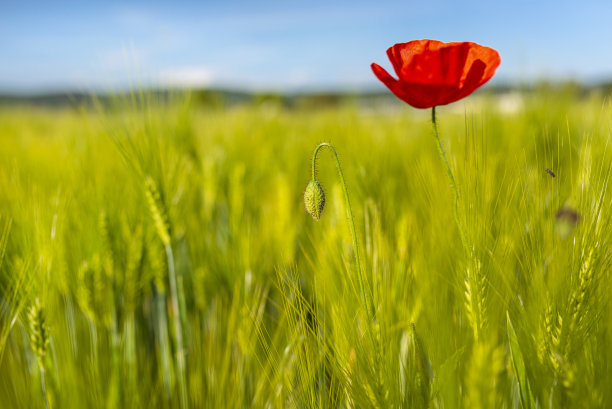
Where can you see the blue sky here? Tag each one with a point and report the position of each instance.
(56, 45)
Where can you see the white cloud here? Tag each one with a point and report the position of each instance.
(187, 76)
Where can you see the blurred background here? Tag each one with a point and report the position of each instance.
(155, 226)
(285, 46)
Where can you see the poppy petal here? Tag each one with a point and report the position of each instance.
(401, 55)
(391, 83)
(469, 84)
(491, 59)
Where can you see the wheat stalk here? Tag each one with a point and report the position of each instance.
(415, 370)
(39, 341)
(475, 297)
(485, 367)
(161, 220)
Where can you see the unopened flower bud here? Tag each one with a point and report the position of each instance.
(314, 199)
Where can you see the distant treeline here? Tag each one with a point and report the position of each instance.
(221, 98)
(211, 98)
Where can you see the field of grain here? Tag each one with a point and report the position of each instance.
(158, 254)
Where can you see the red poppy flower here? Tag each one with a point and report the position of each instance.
(434, 73)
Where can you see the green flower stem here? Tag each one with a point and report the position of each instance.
(364, 298)
(452, 180)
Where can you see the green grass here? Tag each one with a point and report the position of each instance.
(98, 208)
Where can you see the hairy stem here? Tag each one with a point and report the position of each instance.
(351, 220)
(452, 180)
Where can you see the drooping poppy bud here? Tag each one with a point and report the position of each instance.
(314, 199)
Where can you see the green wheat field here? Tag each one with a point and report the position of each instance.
(156, 253)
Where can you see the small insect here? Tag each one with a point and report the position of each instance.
(550, 172)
